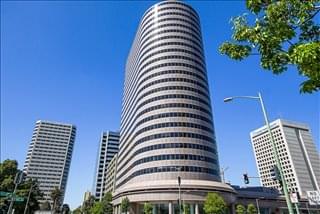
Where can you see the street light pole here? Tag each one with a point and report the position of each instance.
(222, 173)
(276, 155)
(274, 147)
(257, 201)
(17, 180)
(29, 195)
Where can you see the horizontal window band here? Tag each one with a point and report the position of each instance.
(171, 146)
(169, 105)
(169, 169)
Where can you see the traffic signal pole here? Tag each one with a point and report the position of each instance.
(276, 156)
(274, 147)
(17, 180)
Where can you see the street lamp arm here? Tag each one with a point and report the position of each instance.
(228, 99)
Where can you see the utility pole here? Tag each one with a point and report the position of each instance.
(29, 195)
(273, 144)
(222, 174)
(17, 180)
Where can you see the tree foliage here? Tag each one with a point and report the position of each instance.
(97, 208)
(8, 170)
(56, 196)
(240, 209)
(251, 209)
(214, 204)
(186, 209)
(125, 205)
(88, 204)
(147, 208)
(77, 210)
(284, 33)
(104, 206)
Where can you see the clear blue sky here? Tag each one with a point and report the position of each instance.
(64, 61)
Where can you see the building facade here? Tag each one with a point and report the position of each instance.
(298, 156)
(109, 145)
(166, 122)
(49, 155)
(111, 175)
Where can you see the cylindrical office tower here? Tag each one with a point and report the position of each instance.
(166, 123)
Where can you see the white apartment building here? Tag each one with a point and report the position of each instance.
(49, 155)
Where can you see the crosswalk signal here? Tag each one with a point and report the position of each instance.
(246, 178)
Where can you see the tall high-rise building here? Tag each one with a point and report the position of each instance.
(298, 156)
(166, 123)
(109, 145)
(49, 155)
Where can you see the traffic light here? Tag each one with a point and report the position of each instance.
(246, 178)
(275, 174)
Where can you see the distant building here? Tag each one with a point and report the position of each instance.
(298, 156)
(87, 195)
(109, 145)
(49, 156)
(111, 175)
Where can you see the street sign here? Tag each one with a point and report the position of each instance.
(9, 194)
(19, 199)
(313, 197)
(294, 197)
(5, 194)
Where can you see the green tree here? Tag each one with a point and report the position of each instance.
(147, 208)
(107, 203)
(56, 196)
(88, 204)
(284, 33)
(104, 206)
(251, 209)
(97, 208)
(8, 170)
(214, 204)
(77, 210)
(186, 209)
(35, 195)
(125, 205)
(240, 209)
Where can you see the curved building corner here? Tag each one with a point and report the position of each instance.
(166, 122)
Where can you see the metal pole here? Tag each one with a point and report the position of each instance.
(26, 207)
(179, 199)
(257, 201)
(222, 175)
(297, 208)
(12, 199)
(307, 207)
(275, 152)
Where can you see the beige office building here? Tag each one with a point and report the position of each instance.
(166, 123)
(297, 152)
